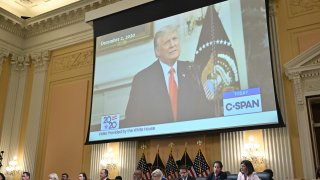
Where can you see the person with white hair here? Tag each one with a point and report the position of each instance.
(53, 176)
(157, 175)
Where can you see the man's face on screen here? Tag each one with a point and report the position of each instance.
(168, 47)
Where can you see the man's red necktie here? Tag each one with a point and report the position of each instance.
(173, 93)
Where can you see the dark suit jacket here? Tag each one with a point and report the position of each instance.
(221, 176)
(149, 101)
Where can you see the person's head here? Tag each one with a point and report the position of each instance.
(156, 174)
(82, 176)
(25, 175)
(137, 175)
(183, 171)
(269, 171)
(103, 173)
(167, 45)
(118, 178)
(217, 167)
(64, 176)
(53, 176)
(2, 177)
(246, 167)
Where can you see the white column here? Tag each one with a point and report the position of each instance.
(13, 108)
(3, 55)
(127, 159)
(40, 62)
(231, 147)
(303, 127)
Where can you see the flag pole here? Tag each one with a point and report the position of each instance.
(185, 153)
(158, 156)
(199, 142)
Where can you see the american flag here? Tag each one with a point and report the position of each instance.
(158, 164)
(201, 166)
(143, 166)
(172, 170)
(186, 161)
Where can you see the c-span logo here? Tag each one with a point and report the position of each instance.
(242, 102)
(110, 122)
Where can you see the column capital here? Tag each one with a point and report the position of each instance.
(19, 62)
(40, 60)
(3, 56)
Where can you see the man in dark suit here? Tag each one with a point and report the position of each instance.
(184, 175)
(104, 174)
(168, 90)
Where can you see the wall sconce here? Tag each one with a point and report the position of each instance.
(252, 153)
(13, 167)
(1, 157)
(108, 160)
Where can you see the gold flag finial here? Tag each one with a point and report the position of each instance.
(171, 145)
(199, 142)
(143, 147)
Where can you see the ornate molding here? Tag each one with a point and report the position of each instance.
(298, 87)
(310, 74)
(11, 23)
(316, 61)
(10, 26)
(53, 20)
(272, 9)
(297, 7)
(73, 61)
(312, 85)
(20, 62)
(40, 60)
(54, 23)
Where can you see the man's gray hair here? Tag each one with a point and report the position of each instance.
(162, 31)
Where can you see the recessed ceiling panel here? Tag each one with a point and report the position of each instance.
(31, 8)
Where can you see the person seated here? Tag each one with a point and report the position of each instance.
(2, 177)
(82, 176)
(53, 176)
(247, 171)
(137, 175)
(217, 173)
(157, 175)
(64, 176)
(184, 175)
(118, 178)
(269, 171)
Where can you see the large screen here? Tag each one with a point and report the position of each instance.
(171, 67)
